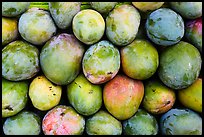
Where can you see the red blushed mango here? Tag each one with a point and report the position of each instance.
(122, 96)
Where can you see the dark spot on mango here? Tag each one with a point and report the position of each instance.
(110, 73)
(151, 22)
(91, 91)
(62, 114)
(153, 90)
(168, 102)
(54, 94)
(9, 108)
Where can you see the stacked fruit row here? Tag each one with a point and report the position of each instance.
(102, 68)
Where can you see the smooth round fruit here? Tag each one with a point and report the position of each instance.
(103, 7)
(180, 65)
(147, 6)
(181, 122)
(20, 61)
(158, 98)
(63, 120)
(36, 26)
(139, 59)
(60, 58)
(24, 123)
(9, 30)
(13, 9)
(84, 96)
(122, 96)
(64, 12)
(191, 97)
(157, 30)
(43, 94)
(14, 97)
(102, 123)
(193, 32)
(101, 62)
(142, 123)
(88, 26)
(188, 10)
(122, 24)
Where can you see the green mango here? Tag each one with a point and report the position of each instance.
(20, 61)
(142, 123)
(101, 62)
(14, 97)
(84, 96)
(23, 123)
(102, 123)
(60, 58)
(179, 121)
(64, 12)
(180, 65)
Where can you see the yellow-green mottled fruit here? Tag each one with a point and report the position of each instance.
(13, 9)
(180, 65)
(140, 59)
(20, 61)
(103, 7)
(44, 95)
(36, 26)
(9, 30)
(122, 24)
(24, 123)
(60, 58)
(64, 12)
(102, 123)
(14, 97)
(147, 6)
(158, 98)
(88, 26)
(101, 62)
(84, 96)
(191, 97)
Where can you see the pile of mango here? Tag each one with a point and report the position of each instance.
(102, 68)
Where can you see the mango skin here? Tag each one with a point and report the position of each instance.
(188, 10)
(103, 7)
(158, 98)
(9, 30)
(180, 65)
(20, 61)
(36, 26)
(122, 24)
(101, 62)
(156, 28)
(88, 26)
(84, 96)
(63, 120)
(102, 123)
(43, 94)
(179, 121)
(14, 97)
(13, 9)
(64, 12)
(122, 96)
(24, 123)
(61, 51)
(142, 123)
(147, 6)
(193, 32)
(139, 59)
(191, 97)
